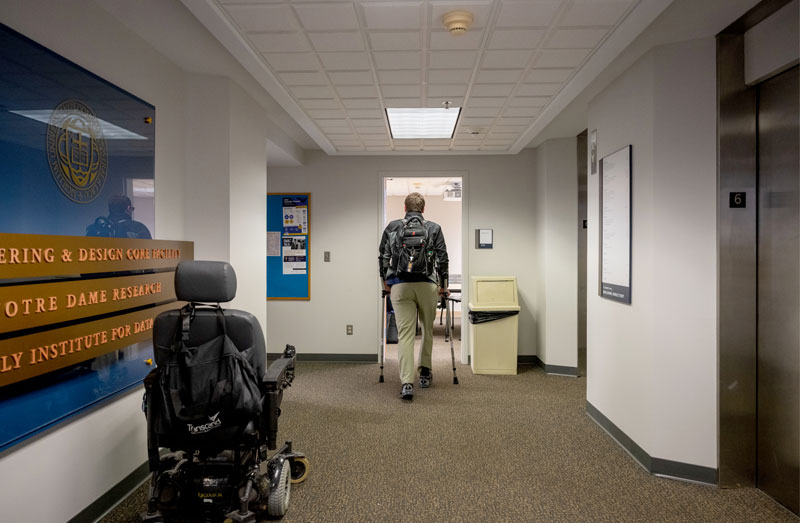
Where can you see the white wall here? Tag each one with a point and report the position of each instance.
(344, 219)
(105, 445)
(651, 365)
(557, 252)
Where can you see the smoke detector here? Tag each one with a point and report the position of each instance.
(457, 22)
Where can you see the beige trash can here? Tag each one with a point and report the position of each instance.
(493, 343)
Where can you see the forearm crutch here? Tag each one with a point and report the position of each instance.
(449, 303)
(384, 323)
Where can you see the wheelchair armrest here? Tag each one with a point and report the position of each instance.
(280, 373)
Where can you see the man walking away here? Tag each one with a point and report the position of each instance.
(413, 266)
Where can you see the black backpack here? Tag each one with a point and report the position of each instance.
(102, 227)
(199, 389)
(412, 252)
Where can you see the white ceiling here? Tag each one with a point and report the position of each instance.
(335, 65)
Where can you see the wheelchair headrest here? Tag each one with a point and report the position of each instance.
(205, 281)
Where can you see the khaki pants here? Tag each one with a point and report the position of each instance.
(407, 299)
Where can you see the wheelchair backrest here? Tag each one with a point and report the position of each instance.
(207, 282)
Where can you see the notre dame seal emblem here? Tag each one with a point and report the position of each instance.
(76, 151)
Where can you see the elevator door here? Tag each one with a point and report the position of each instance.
(778, 290)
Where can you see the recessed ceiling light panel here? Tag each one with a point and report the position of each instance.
(422, 122)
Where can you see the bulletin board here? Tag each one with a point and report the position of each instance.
(288, 246)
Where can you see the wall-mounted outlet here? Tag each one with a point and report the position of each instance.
(349, 330)
(327, 256)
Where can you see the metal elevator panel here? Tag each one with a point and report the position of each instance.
(778, 373)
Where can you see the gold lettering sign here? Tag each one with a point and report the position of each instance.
(34, 305)
(28, 356)
(33, 255)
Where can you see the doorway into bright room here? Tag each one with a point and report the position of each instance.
(443, 204)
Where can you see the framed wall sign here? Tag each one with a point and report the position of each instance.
(615, 226)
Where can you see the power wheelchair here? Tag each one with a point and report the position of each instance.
(208, 463)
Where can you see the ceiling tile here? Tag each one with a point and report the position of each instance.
(334, 126)
(360, 103)
(481, 112)
(357, 91)
(477, 101)
(538, 89)
(326, 113)
(279, 42)
(371, 130)
(392, 15)
(319, 103)
(529, 101)
(345, 131)
(476, 121)
(499, 76)
(379, 148)
(345, 61)
(443, 41)
(368, 122)
(436, 141)
(508, 128)
(315, 78)
(402, 102)
(447, 90)
(494, 148)
(514, 121)
(452, 59)
(465, 147)
(401, 41)
(365, 113)
(527, 13)
(292, 61)
(522, 111)
(561, 57)
(262, 17)
(327, 17)
(436, 147)
(337, 41)
(312, 92)
(491, 89)
(397, 60)
(400, 91)
(575, 38)
(506, 59)
(515, 39)
(351, 77)
(399, 77)
(596, 12)
(549, 75)
(350, 149)
(345, 143)
(449, 76)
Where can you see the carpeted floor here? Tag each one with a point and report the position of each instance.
(494, 448)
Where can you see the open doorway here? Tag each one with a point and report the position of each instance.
(444, 195)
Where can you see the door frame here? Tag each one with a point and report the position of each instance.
(464, 175)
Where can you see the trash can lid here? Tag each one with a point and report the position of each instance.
(494, 293)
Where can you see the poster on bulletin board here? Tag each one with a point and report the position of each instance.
(288, 269)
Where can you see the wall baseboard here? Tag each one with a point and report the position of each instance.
(352, 358)
(559, 370)
(656, 466)
(113, 496)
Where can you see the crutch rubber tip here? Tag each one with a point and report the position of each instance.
(380, 380)
(455, 380)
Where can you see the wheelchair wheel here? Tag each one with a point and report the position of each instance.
(299, 469)
(278, 502)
